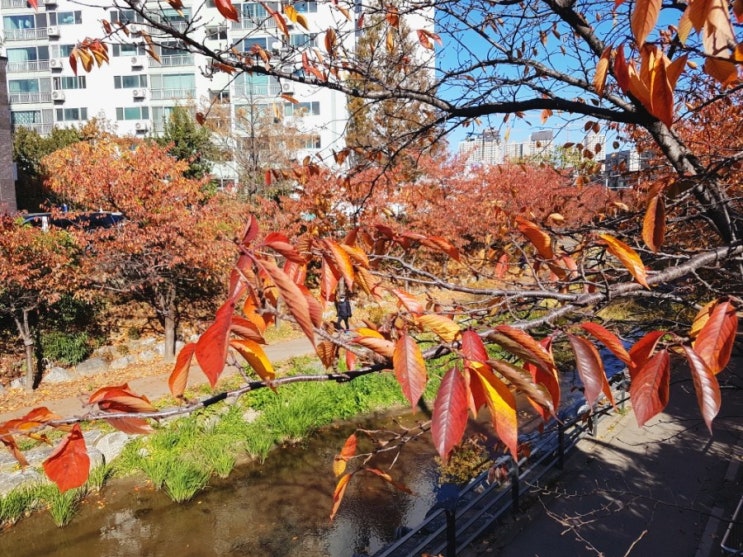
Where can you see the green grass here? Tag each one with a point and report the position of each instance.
(62, 506)
(19, 502)
(185, 479)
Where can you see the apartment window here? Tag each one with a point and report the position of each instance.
(70, 82)
(171, 16)
(128, 49)
(130, 81)
(25, 117)
(259, 41)
(302, 109)
(173, 86)
(61, 50)
(20, 86)
(312, 142)
(133, 113)
(18, 22)
(305, 7)
(256, 12)
(28, 54)
(125, 16)
(301, 40)
(66, 18)
(216, 33)
(71, 114)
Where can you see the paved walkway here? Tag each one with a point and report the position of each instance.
(668, 489)
(156, 386)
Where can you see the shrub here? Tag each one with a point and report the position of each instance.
(65, 348)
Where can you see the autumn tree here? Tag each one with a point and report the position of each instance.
(36, 269)
(175, 242)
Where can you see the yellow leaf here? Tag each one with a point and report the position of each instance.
(629, 258)
(441, 325)
(644, 18)
(256, 357)
(602, 68)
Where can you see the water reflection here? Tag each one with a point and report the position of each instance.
(278, 510)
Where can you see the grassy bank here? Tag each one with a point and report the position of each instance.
(182, 455)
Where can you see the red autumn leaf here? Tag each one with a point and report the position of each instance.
(522, 380)
(350, 360)
(9, 441)
(408, 301)
(329, 277)
(621, 70)
(316, 309)
(410, 369)
(547, 377)
(347, 452)
(211, 348)
(386, 477)
(377, 344)
(642, 349)
(608, 339)
(341, 260)
(501, 268)
(591, 370)
(340, 490)
(68, 466)
(449, 413)
(502, 405)
(227, 10)
(714, 343)
(295, 300)
(602, 69)
(280, 243)
(179, 376)
(248, 328)
(706, 387)
(131, 426)
(442, 244)
(120, 399)
(629, 258)
(522, 345)
(473, 349)
(250, 232)
(650, 386)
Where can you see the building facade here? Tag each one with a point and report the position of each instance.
(7, 181)
(135, 92)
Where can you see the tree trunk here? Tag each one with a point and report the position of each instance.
(24, 330)
(170, 324)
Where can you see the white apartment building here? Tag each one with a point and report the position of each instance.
(136, 93)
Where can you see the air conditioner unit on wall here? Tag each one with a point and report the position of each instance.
(137, 62)
(52, 31)
(142, 126)
(57, 95)
(56, 64)
(287, 88)
(139, 93)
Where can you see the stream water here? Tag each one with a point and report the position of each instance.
(278, 509)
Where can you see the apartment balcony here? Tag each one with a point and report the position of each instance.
(248, 23)
(171, 60)
(172, 94)
(28, 66)
(29, 98)
(14, 4)
(33, 34)
(41, 129)
(268, 90)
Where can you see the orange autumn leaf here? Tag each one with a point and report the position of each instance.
(629, 258)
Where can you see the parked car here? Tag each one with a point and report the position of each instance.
(86, 221)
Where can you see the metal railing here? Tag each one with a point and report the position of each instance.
(27, 98)
(732, 541)
(455, 524)
(31, 34)
(168, 94)
(28, 66)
